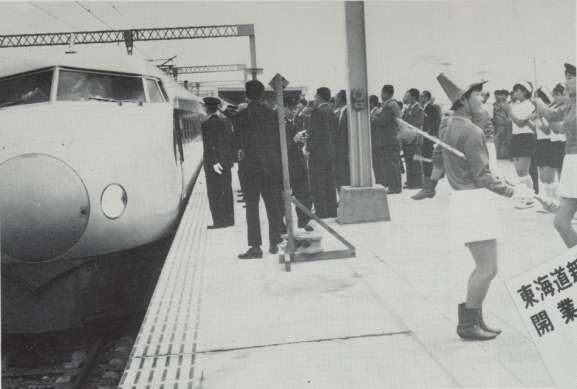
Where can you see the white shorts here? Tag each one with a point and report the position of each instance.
(568, 185)
(474, 215)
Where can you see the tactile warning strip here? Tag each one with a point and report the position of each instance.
(164, 352)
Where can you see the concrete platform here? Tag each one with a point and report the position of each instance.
(385, 319)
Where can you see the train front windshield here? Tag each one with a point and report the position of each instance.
(27, 89)
(85, 86)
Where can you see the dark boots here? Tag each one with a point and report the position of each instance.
(485, 326)
(469, 325)
(427, 191)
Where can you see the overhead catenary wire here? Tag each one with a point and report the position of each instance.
(133, 26)
(91, 13)
(103, 22)
(55, 17)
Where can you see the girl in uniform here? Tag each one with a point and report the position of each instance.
(545, 153)
(568, 185)
(474, 217)
(524, 140)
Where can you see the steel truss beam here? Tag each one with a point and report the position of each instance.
(204, 69)
(207, 84)
(129, 36)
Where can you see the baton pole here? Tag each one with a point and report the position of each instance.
(432, 138)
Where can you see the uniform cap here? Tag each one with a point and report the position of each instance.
(456, 85)
(545, 92)
(290, 101)
(211, 101)
(525, 84)
(570, 69)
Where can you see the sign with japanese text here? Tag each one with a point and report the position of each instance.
(546, 298)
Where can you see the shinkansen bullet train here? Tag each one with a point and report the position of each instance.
(98, 157)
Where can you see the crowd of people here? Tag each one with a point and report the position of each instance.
(535, 128)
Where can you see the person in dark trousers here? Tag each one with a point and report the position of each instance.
(431, 123)
(342, 166)
(385, 145)
(298, 171)
(216, 139)
(321, 148)
(257, 141)
(414, 116)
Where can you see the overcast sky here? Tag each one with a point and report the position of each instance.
(408, 42)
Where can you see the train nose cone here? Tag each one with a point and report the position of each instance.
(44, 207)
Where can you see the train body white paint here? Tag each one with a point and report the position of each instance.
(97, 159)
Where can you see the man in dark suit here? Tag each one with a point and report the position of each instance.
(320, 145)
(257, 138)
(431, 122)
(298, 171)
(414, 116)
(216, 139)
(386, 147)
(342, 164)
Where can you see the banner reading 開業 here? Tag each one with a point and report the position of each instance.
(546, 298)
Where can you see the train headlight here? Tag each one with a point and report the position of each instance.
(113, 201)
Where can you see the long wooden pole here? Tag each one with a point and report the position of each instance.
(278, 86)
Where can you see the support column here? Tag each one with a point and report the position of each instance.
(361, 202)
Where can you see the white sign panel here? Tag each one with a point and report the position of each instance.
(546, 298)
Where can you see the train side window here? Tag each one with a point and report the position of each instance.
(28, 89)
(153, 92)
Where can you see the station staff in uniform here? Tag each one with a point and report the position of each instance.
(298, 171)
(216, 139)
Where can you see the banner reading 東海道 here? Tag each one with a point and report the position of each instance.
(546, 298)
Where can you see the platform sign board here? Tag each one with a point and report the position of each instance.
(546, 298)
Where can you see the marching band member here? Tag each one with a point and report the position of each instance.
(567, 190)
(474, 217)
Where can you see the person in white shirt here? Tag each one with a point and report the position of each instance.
(524, 139)
(545, 153)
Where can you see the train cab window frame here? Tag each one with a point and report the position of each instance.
(84, 85)
(27, 88)
(153, 91)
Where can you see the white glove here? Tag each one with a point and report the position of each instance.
(522, 192)
(217, 168)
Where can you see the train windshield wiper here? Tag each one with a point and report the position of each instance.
(102, 99)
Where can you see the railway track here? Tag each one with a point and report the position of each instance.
(98, 360)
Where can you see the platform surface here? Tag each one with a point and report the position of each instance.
(384, 319)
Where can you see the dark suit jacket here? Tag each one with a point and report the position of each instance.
(431, 120)
(414, 116)
(297, 164)
(216, 139)
(323, 126)
(342, 136)
(384, 128)
(256, 130)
